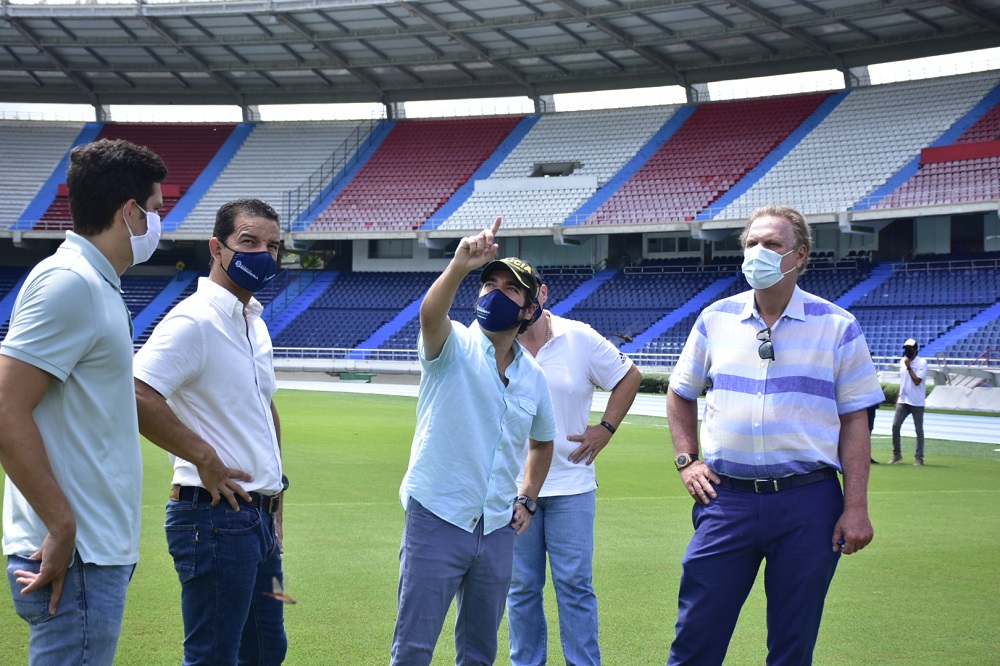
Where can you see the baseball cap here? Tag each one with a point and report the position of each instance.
(524, 272)
(910, 343)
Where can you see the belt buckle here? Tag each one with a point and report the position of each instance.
(758, 488)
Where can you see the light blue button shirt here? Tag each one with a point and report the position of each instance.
(465, 456)
(774, 418)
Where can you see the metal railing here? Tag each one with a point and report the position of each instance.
(303, 201)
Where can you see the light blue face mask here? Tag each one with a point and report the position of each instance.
(762, 267)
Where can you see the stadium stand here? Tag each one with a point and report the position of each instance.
(275, 158)
(138, 291)
(706, 156)
(869, 137)
(529, 189)
(10, 283)
(352, 308)
(140, 336)
(415, 170)
(925, 300)
(631, 301)
(39, 148)
(186, 150)
(967, 170)
(948, 302)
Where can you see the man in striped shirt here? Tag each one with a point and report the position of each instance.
(789, 378)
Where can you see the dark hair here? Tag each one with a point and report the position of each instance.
(105, 174)
(225, 219)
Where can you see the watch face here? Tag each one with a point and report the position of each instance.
(529, 504)
(681, 461)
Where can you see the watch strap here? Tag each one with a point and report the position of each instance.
(609, 427)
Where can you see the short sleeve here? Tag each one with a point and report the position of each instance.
(54, 323)
(690, 375)
(606, 365)
(172, 356)
(856, 381)
(453, 346)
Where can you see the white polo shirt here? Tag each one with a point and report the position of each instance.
(215, 369)
(575, 360)
(70, 321)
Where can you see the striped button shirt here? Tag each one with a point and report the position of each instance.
(775, 418)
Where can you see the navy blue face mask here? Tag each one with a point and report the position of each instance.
(538, 313)
(251, 270)
(496, 312)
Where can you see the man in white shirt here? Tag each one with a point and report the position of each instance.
(912, 397)
(69, 440)
(576, 359)
(211, 358)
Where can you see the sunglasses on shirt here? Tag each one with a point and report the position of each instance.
(766, 349)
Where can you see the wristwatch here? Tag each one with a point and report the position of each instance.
(529, 504)
(684, 459)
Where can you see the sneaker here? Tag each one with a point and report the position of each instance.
(895, 459)
(919, 462)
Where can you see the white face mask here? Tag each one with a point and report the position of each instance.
(144, 246)
(762, 267)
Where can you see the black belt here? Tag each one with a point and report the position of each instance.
(266, 503)
(775, 485)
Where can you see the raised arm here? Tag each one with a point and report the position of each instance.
(471, 253)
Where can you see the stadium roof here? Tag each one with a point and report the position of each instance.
(315, 51)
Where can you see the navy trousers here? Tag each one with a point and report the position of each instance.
(791, 531)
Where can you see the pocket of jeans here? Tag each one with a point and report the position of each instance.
(182, 544)
(237, 523)
(32, 608)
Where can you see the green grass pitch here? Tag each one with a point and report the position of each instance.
(926, 591)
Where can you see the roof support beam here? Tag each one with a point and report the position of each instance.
(926, 21)
(325, 49)
(796, 33)
(437, 24)
(74, 76)
(195, 58)
(970, 10)
(613, 32)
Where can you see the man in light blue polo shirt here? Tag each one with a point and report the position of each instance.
(481, 398)
(789, 380)
(69, 436)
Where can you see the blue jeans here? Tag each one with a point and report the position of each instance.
(88, 621)
(791, 530)
(227, 562)
(437, 562)
(563, 527)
